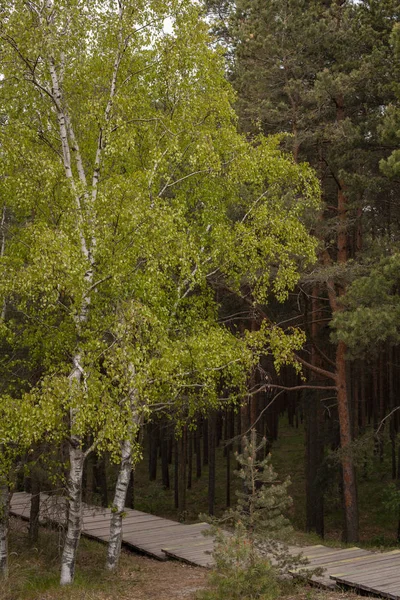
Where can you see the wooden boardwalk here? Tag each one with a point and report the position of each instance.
(142, 532)
(373, 572)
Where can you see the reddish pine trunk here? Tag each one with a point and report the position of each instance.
(349, 476)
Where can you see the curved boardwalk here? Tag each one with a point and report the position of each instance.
(373, 572)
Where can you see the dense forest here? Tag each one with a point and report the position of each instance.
(200, 237)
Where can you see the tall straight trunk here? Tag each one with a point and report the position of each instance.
(363, 399)
(4, 519)
(89, 480)
(164, 460)
(190, 461)
(228, 475)
(130, 494)
(314, 430)
(212, 434)
(349, 475)
(198, 449)
(35, 508)
(398, 490)
(391, 406)
(118, 506)
(356, 399)
(382, 395)
(335, 291)
(101, 478)
(182, 458)
(205, 441)
(176, 473)
(153, 433)
(68, 558)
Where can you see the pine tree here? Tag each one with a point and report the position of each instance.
(250, 558)
(323, 72)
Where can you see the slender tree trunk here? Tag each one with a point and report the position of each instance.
(68, 559)
(314, 431)
(198, 449)
(182, 458)
(101, 478)
(153, 434)
(228, 475)
(89, 480)
(190, 461)
(35, 509)
(398, 490)
(164, 460)
(391, 406)
(118, 506)
(334, 294)
(130, 494)
(212, 434)
(176, 474)
(205, 441)
(349, 475)
(4, 519)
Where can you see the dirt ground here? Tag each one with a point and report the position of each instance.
(160, 580)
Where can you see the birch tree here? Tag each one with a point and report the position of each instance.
(138, 198)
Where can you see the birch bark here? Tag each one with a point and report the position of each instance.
(121, 488)
(74, 527)
(86, 216)
(118, 506)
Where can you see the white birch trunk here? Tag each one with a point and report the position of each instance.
(4, 517)
(88, 245)
(68, 559)
(118, 506)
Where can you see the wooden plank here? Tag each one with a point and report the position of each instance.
(202, 561)
(193, 542)
(390, 592)
(155, 540)
(191, 553)
(312, 550)
(340, 555)
(364, 581)
(98, 523)
(378, 578)
(377, 557)
(173, 542)
(128, 519)
(20, 501)
(367, 566)
(128, 527)
(165, 535)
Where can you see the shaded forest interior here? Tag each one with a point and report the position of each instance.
(190, 473)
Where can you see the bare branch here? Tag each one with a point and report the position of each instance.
(385, 418)
(297, 388)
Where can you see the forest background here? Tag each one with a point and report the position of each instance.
(165, 278)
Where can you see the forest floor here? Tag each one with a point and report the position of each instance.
(34, 574)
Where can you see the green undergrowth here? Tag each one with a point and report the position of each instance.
(34, 571)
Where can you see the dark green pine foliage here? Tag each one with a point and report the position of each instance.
(323, 72)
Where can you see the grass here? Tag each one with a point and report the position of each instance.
(34, 572)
